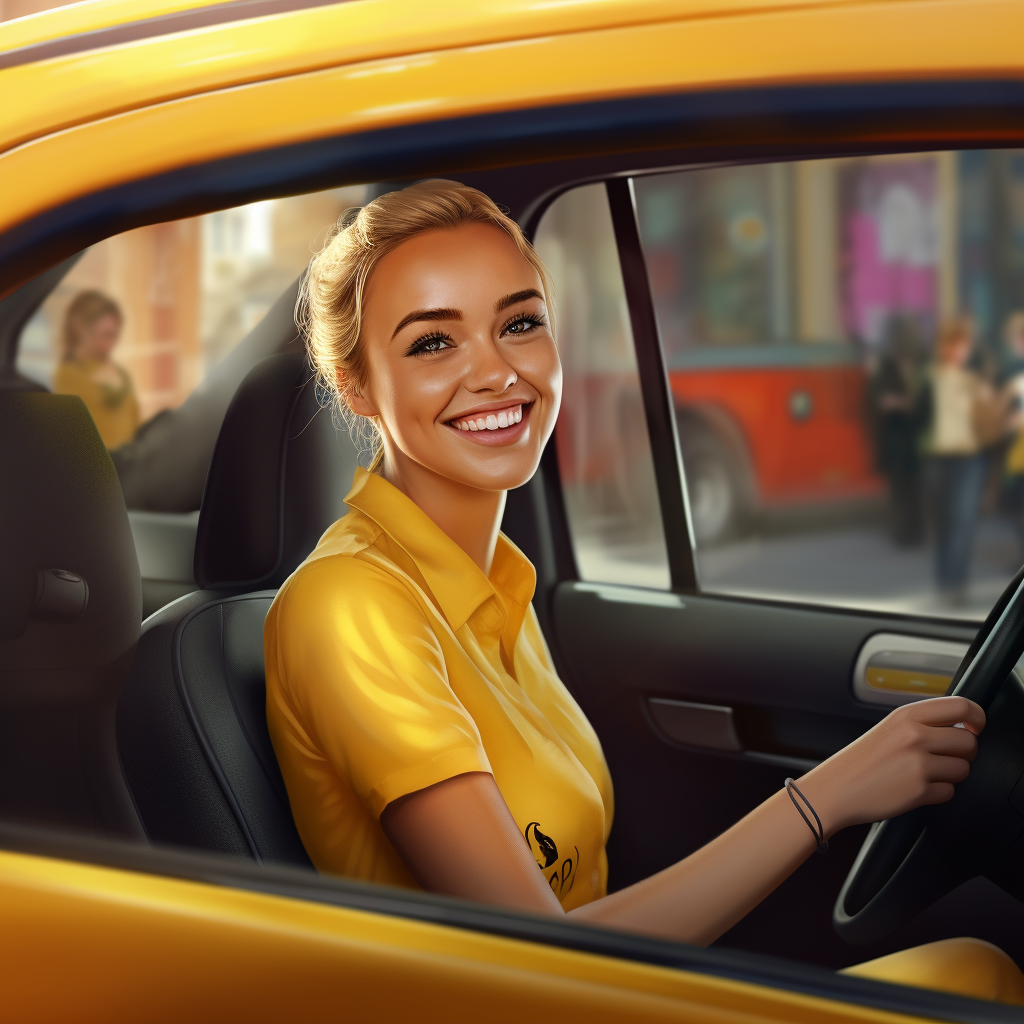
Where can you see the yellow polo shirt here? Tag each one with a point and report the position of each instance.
(115, 411)
(394, 663)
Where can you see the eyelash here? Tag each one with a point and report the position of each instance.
(533, 319)
(419, 346)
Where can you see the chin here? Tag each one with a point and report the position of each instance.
(496, 477)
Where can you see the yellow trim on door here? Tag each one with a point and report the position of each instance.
(80, 942)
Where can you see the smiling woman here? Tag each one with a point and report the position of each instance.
(423, 734)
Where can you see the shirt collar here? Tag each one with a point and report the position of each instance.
(455, 580)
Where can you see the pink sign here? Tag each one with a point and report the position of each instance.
(889, 217)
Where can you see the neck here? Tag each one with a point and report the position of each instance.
(468, 515)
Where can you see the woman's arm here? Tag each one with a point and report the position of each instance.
(459, 838)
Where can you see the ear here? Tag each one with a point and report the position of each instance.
(358, 401)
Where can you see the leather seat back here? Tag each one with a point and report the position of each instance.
(191, 724)
(70, 611)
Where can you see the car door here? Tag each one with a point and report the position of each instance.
(734, 315)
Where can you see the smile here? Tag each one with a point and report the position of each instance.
(499, 420)
(496, 427)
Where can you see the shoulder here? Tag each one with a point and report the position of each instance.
(331, 583)
(68, 372)
(346, 588)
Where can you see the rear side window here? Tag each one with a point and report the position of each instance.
(154, 329)
(604, 452)
(845, 346)
(144, 318)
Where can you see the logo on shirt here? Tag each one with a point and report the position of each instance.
(546, 854)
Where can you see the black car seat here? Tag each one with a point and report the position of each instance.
(70, 612)
(191, 723)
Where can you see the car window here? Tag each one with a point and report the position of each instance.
(145, 317)
(845, 347)
(604, 452)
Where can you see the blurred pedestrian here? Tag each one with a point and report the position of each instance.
(1013, 392)
(901, 401)
(92, 328)
(965, 420)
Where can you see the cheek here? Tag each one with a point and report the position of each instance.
(538, 364)
(415, 392)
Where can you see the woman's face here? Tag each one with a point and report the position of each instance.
(958, 351)
(461, 365)
(99, 340)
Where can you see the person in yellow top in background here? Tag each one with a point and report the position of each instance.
(422, 731)
(92, 327)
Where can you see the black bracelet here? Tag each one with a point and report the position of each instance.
(819, 832)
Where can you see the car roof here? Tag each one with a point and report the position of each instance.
(159, 17)
(90, 119)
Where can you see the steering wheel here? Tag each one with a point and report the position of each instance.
(909, 862)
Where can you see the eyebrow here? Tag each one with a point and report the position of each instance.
(511, 300)
(418, 315)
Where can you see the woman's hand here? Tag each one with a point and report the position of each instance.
(913, 757)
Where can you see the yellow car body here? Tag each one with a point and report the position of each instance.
(110, 93)
(124, 112)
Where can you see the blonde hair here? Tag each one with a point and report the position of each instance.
(81, 316)
(329, 310)
(954, 332)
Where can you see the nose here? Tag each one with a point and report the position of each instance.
(488, 370)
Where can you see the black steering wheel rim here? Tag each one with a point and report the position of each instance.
(909, 862)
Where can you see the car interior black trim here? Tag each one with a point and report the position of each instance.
(635, 133)
(200, 731)
(655, 388)
(151, 28)
(273, 880)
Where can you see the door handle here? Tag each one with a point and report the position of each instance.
(708, 726)
(893, 669)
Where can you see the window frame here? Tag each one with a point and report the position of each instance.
(659, 407)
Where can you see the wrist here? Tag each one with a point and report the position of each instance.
(817, 788)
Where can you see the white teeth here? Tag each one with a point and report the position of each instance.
(502, 420)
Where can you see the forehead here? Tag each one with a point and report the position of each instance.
(467, 268)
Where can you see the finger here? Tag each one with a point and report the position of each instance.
(950, 711)
(951, 741)
(939, 768)
(938, 793)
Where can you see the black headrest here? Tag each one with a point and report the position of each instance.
(70, 592)
(278, 478)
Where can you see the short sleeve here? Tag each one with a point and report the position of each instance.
(359, 664)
